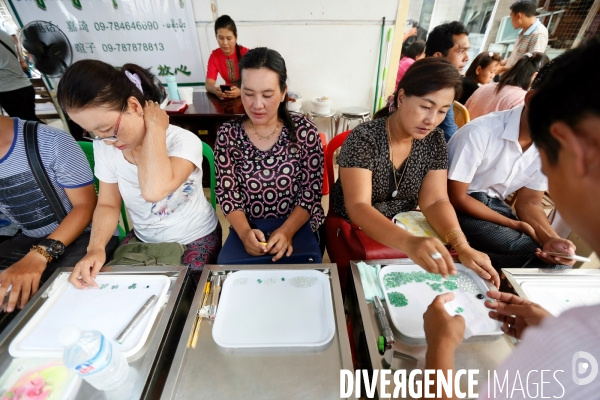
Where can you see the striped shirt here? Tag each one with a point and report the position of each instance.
(21, 199)
(555, 360)
(533, 40)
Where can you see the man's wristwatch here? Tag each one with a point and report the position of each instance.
(55, 248)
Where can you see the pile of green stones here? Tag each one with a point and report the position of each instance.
(435, 281)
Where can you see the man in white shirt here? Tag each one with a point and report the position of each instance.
(490, 158)
(558, 357)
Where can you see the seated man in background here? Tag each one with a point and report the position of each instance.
(449, 41)
(565, 123)
(44, 244)
(490, 158)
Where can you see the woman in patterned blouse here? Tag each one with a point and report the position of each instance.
(400, 160)
(269, 164)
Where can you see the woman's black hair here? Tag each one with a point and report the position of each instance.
(262, 57)
(225, 22)
(428, 75)
(412, 48)
(521, 73)
(482, 60)
(93, 83)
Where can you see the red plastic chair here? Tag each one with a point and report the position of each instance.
(336, 249)
(325, 180)
(333, 145)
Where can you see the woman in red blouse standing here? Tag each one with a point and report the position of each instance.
(225, 60)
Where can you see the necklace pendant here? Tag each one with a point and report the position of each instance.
(394, 193)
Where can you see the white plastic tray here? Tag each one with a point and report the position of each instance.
(107, 310)
(558, 297)
(408, 320)
(261, 309)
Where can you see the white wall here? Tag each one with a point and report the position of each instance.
(330, 47)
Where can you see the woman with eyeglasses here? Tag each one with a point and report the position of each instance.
(154, 167)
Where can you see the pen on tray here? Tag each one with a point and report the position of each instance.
(215, 297)
(198, 317)
(136, 319)
(196, 320)
(383, 322)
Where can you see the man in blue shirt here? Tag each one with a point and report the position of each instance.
(449, 41)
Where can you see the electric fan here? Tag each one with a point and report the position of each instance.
(48, 46)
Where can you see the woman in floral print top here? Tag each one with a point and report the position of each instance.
(269, 164)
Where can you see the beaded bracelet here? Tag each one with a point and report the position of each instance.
(454, 234)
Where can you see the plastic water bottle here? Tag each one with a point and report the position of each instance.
(172, 86)
(93, 358)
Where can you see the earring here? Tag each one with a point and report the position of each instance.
(142, 114)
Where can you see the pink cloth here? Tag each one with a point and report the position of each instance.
(405, 62)
(485, 99)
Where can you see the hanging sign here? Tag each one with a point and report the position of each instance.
(156, 34)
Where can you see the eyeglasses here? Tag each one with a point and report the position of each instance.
(89, 135)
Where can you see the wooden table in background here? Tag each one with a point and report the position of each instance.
(204, 118)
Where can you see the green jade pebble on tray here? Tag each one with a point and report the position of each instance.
(460, 281)
(450, 285)
(435, 286)
(397, 279)
(397, 299)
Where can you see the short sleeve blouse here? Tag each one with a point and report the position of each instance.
(226, 66)
(271, 183)
(367, 147)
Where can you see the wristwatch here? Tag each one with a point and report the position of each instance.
(55, 248)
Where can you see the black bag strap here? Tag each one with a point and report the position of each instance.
(9, 49)
(39, 173)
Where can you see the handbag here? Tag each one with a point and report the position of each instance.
(356, 244)
(347, 242)
(306, 247)
(138, 253)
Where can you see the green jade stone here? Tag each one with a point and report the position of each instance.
(435, 286)
(397, 299)
(450, 285)
(397, 279)
(459, 310)
(259, 281)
